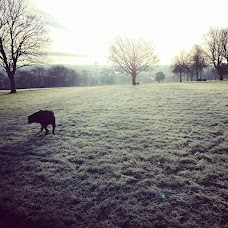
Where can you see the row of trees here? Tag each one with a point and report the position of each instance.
(39, 77)
(23, 39)
(134, 56)
(62, 76)
(213, 53)
(58, 76)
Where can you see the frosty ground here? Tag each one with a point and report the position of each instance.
(123, 156)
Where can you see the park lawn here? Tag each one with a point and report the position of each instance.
(122, 156)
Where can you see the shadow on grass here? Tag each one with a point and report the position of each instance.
(12, 159)
(10, 220)
(26, 147)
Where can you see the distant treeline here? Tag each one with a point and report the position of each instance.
(54, 76)
(62, 76)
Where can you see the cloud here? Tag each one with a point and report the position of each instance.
(70, 58)
(64, 54)
(49, 19)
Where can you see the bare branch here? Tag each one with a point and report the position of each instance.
(23, 35)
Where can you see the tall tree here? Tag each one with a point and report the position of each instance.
(216, 42)
(23, 38)
(198, 60)
(132, 56)
(180, 64)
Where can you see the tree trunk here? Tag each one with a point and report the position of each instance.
(12, 82)
(220, 76)
(220, 73)
(133, 78)
(201, 75)
(197, 75)
(180, 77)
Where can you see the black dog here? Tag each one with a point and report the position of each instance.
(44, 117)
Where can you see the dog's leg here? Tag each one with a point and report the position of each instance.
(46, 130)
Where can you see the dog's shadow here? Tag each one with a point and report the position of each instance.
(23, 154)
(29, 146)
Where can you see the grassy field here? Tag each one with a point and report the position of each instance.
(123, 156)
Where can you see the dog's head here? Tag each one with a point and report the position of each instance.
(34, 117)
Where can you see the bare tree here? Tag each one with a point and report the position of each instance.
(22, 38)
(198, 60)
(180, 64)
(216, 41)
(132, 56)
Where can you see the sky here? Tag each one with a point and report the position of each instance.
(82, 30)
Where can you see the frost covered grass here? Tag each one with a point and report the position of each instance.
(143, 156)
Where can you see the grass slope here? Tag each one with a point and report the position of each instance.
(144, 156)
